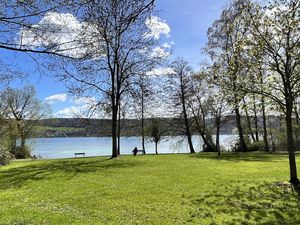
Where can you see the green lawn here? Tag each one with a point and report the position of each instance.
(165, 189)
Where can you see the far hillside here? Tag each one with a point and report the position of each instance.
(82, 127)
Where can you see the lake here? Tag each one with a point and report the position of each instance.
(51, 148)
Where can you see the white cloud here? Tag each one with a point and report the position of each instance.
(69, 112)
(86, 100)
(160, 52)
(166, 45)
(160, 72)
(158, 27)
(61, 32)
(56, 98)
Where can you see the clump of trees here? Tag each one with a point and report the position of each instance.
(254, 48)
(20, 112)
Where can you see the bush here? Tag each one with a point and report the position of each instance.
(21, 153)
(256, 146)
(5, 156)
(252, 146)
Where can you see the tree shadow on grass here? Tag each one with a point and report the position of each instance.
(40, 170)
(243, 156)
(265, 203)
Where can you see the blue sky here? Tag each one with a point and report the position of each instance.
(187, 19)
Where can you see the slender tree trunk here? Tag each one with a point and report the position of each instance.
(188, 132)
(243, 146)
(143, 125)
(119, 130)
(265, 136)
(249, 122)
(290, 140)
(187, 127)
(156, 152)
(218, 123)
(255, 119)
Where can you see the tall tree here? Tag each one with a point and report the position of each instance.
(179, 87)
(143, 95)
(275, 32)
(225, 41)
(121, 38)
(200, 107)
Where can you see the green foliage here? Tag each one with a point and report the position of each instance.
(5, 156)
(256, 146)
(154, 131)
(232, 189)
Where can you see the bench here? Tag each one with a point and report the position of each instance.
(138, 151)
(79, 154)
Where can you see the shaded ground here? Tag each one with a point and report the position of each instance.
(248, 188)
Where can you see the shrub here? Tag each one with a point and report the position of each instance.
(21, 153)
(256, 146)
(5, 156)
(252, 146)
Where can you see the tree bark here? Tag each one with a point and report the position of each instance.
(114, 127)
(143, 125)
(186, 119)
(243, 146)
(119, 130)
(23, 143)
(255, 119)
(249, 122)
(266, 143)
(156, 152)
(290, 141)
(218, 122)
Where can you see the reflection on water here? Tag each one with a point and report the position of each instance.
(101, 146)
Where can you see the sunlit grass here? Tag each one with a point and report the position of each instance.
(165, 189)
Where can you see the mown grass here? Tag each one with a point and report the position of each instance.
(165, 189)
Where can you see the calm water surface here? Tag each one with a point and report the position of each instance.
(49, 148)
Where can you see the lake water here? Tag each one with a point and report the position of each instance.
(49, 148)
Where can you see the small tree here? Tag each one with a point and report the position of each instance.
(155, 133)
(23, 111)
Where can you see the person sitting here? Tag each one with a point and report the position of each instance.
(135, 150)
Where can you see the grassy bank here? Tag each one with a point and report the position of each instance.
(165, 189)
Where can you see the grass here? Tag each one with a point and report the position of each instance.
(166, 189)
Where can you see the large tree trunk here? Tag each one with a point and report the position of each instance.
(114, 132)
(290, 141)
(210, 148)
(23, 143)
(243, 146)
(265, 136)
